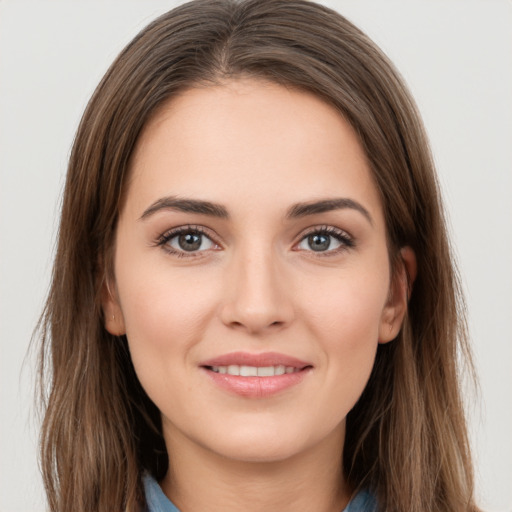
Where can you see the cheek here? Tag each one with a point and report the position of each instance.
(347, 309)
(165, 313)
(344, 315)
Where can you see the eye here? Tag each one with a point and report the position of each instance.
(186, 241)
(325, 240)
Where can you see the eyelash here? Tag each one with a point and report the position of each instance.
(347, 241)
(165, 238)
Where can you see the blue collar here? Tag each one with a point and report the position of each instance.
(158, 502)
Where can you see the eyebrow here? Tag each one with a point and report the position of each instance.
(217, 210)
(327, 205)
(187, 206)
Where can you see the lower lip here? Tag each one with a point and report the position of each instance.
(256, 387)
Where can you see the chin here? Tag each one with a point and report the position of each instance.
(257, 454)
(267, 444)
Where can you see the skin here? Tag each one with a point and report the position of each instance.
(255, 285)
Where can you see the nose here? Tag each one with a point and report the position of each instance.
(257, 294)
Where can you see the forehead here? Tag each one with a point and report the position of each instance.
(254, 140)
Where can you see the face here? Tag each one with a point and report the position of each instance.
(252, 274)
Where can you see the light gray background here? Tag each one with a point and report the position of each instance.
(456, 57)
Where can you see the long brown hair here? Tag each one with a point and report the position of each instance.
(406, 437)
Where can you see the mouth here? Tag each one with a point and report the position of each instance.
(256, 375)
(254, 371)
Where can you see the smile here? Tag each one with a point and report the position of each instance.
(254, 371)
(255, 375)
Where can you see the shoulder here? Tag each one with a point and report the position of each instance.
(156, 500)
(363, 501)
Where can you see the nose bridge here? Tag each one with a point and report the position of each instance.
(256, 296)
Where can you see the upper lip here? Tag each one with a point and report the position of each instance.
(258, 360)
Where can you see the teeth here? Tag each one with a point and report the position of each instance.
(248, 371)
(233, 369)
(254, 371)
(279, 370)
(266, 371)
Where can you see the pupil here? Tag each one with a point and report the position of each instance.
(190, 242)
(319, 242)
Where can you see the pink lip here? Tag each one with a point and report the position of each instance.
(263, 359)
(256, 387)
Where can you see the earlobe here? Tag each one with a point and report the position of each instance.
(399, 294)
(113, 316)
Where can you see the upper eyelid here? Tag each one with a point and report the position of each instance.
(324, 229)
(203, 230)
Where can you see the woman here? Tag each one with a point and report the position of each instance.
(253, 301)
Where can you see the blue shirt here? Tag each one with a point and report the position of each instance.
(158, 502)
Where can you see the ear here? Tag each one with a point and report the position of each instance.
(113, 316)
(399, 294)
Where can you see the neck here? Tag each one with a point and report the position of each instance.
(199, 479)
